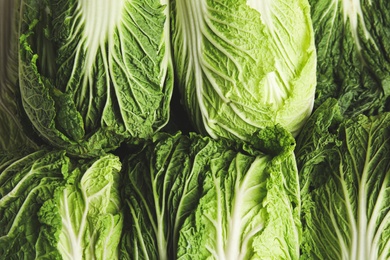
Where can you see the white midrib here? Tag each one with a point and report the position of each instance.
(196, 50)
(363, 246)
(229, 245)
(162, 243)
(167, 60)
(190, 16)
(99, 19)
(368, 246)
(76, 234)
(76, 251)
(236, 242)
(232, 249)
(218, 224)
(361, 240)
(375, 230)
(352, 11)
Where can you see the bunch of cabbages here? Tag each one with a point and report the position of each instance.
(195, 129)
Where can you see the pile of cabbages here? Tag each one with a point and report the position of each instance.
(195, 129)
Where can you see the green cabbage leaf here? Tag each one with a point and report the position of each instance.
(243, 65)
(344, 166)
(249, 209)
(16, 135)
(93, 75)
(353, 53)
(191, 197)
(55, 207)
(162, 188)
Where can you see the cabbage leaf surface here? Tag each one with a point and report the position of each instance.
(93, 75)
(249, 209)
(191, 197)
(243, 65)
(353, 53)
(55, 207)
(16, 135)
(344, 164)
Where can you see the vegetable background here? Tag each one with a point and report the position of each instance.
(183, 129)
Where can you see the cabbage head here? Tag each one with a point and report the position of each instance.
(192, 197)
(15, 131)
(244, 65)
(93, 75)
(344, 166)
(55, 207)
(353, 53)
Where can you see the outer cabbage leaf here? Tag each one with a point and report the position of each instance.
(15, 130)
(249, 209)
(53, 207)
(94, 75)
(89, 208)
(25, 185)
(187, 197)
(353, 49)
(162, 187)
(345, 169)
(244, 65)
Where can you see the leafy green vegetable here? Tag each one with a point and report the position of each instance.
(90, 211)
(353, 49)
(92, 77)
(249, 209)
(162, 187)
(93, 167)
(24, 186)
(189, 197)
(55, 208)
(244, 65)
(345, 178)
(15, 132)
